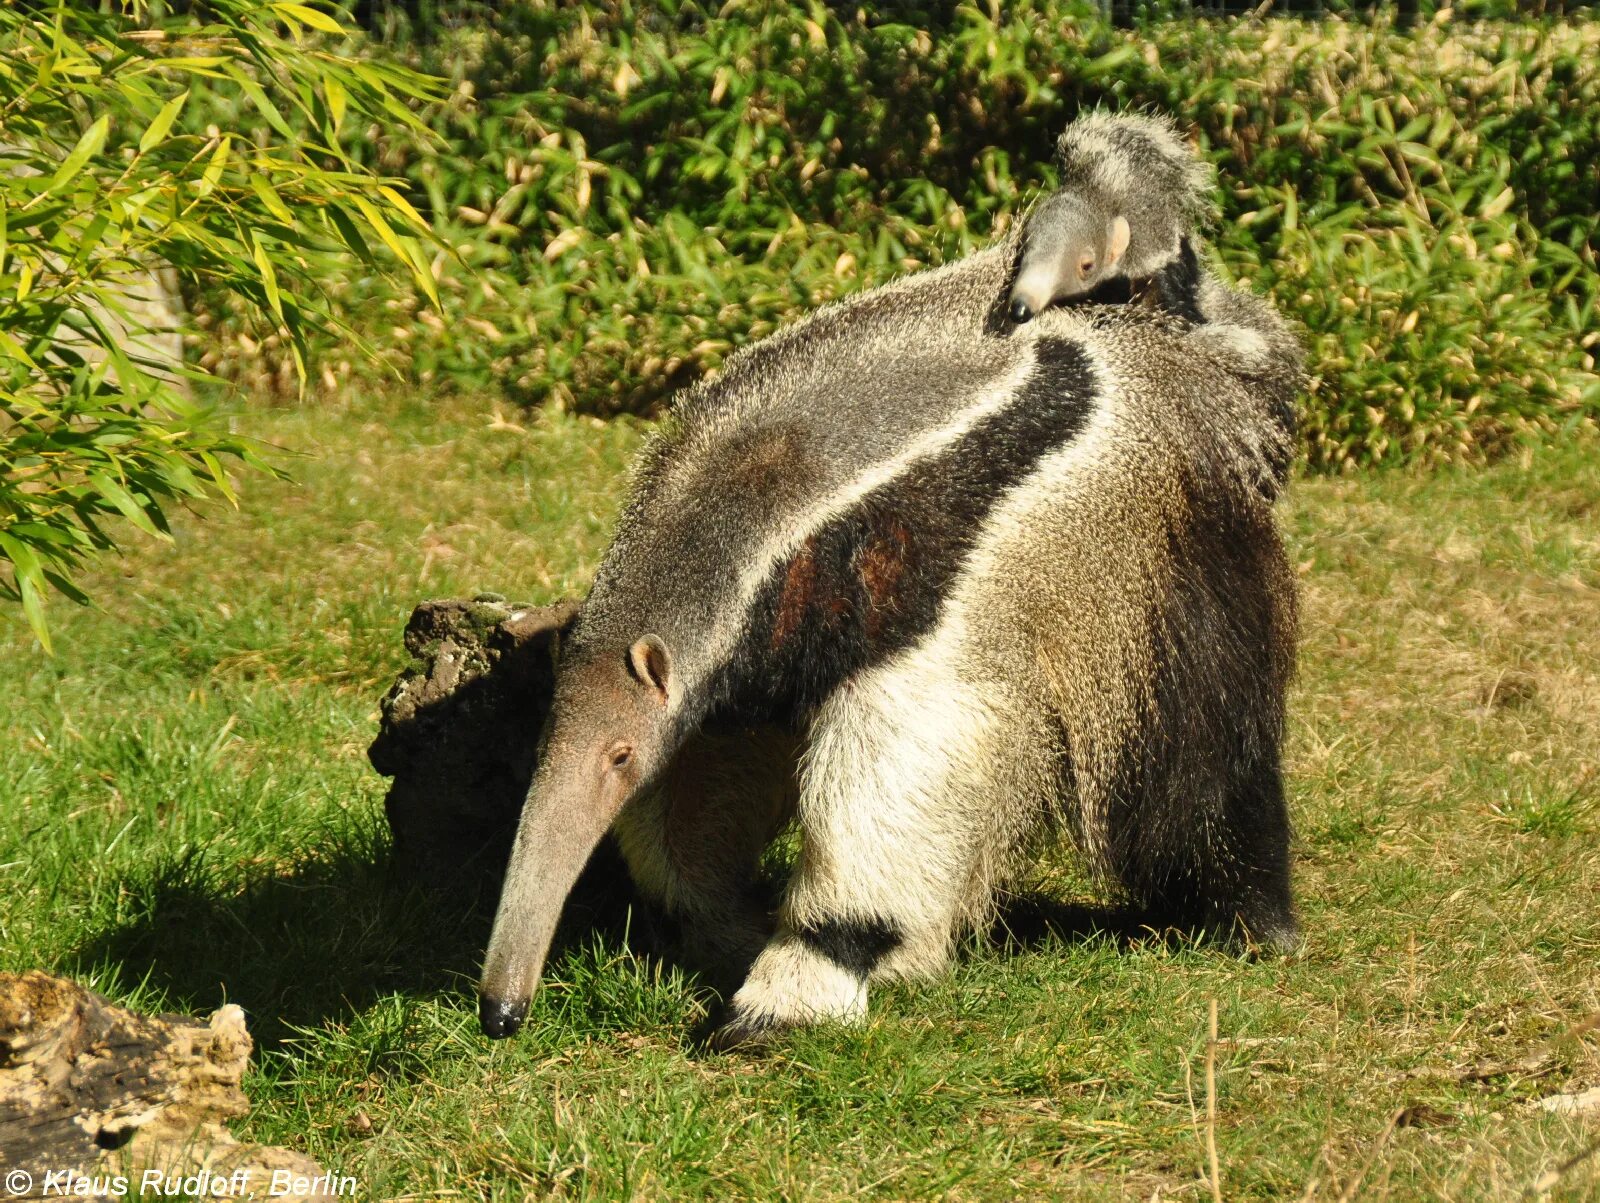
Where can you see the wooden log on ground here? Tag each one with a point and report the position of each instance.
(458, 733)
(459, 728)
(91, 1091)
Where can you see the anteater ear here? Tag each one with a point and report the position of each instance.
(651, 665)
(1117, 243)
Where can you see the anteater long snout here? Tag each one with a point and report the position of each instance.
(1034, 290)
(558, 833)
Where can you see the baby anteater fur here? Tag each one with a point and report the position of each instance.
(1123, 225)
(1124, 228)
(928, 589)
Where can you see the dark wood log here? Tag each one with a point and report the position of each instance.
(89, 1090)
(458, 731)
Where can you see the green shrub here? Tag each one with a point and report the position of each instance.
(106, 175)
(637, 189)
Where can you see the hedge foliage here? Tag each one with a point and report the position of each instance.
(636, 189)
(110, 178)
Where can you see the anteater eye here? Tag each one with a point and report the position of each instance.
(1085, 266)
(620, 757)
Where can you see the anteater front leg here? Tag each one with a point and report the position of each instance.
(905, 825)
(693, 844)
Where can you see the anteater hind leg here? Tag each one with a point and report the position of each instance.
(694, 843)
(902, 838)
(1218, 867)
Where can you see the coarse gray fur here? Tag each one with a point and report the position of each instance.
(928, 585)
(1147, 172)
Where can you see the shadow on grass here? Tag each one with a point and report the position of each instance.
(325, 936)
(1029, 921)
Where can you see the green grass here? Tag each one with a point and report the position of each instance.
(187, 818)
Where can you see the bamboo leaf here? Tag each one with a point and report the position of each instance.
(212, 174)
(218, 476)
(89, 145)
(270, 198)
(337, 101)
(259, 98)
(350, 234)
(124, 503)
(30, 578)
(379, 225)
(422, 270)
(307, 15)
(405, 207)
(269, 275)
(158, 129)
(66, 588)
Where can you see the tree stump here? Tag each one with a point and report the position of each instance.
(91, 1091)
(459, 728)
(459, 732)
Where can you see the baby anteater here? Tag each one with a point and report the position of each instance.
(1122, 226)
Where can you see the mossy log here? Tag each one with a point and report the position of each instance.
(458, 731)
(91, 1091)
(459, 734)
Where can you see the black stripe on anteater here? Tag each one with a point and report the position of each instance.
(855, 945)
(1175, 287)
(870, 583)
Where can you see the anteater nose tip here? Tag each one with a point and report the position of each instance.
(500, 1019)
(1021, 311)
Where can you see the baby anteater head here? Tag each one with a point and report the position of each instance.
(1132, 190)
(1071, 242)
